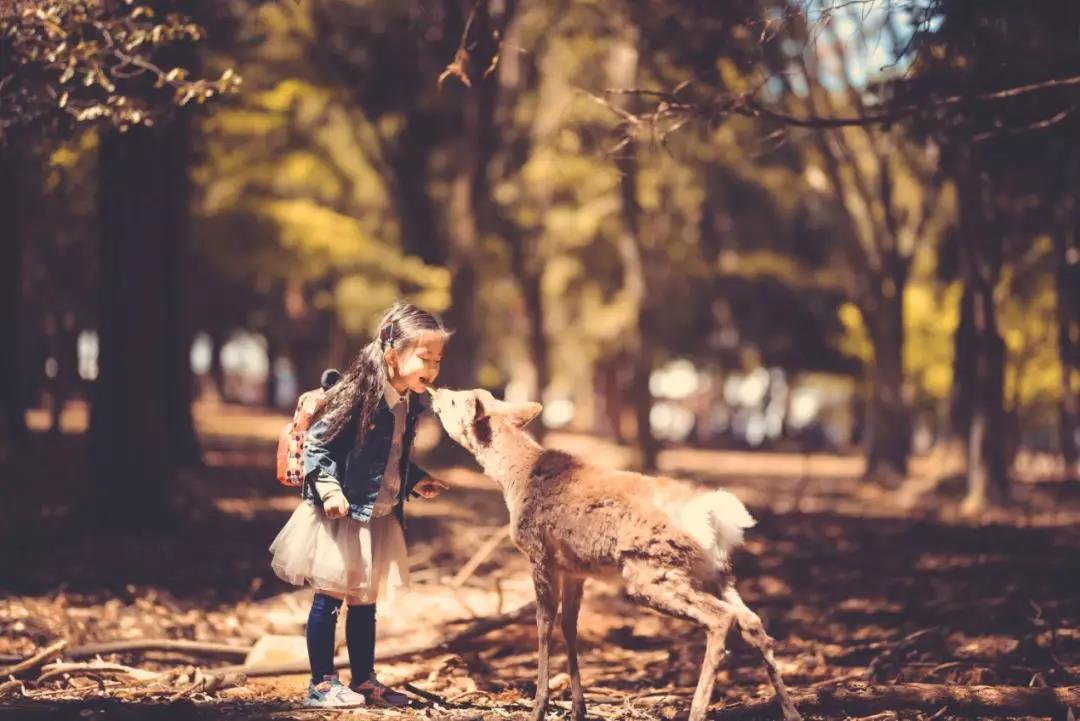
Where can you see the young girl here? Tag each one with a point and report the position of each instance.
(346, 539)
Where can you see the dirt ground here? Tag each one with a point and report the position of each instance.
(855, 583)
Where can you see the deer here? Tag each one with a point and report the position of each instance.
(668, 542)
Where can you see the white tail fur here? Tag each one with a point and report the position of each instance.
(716, 520)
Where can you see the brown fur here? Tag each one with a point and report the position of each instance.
(576, 520)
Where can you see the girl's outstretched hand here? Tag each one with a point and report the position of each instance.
(430, 487)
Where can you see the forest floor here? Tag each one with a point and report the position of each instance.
(854, 583)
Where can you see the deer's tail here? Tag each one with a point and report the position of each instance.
(716, 520)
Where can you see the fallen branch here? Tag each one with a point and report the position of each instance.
(862, 699)
(209, 683)
(94, 668)
(477, 628)
(426, 695)
(191, 648)
(34, 661)
(480, 556)
(194, 648)
(853, 676)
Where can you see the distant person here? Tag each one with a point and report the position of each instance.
(346, 539)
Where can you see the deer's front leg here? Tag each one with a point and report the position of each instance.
(547, 606)
(571, 605)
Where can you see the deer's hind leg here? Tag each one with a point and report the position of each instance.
(673, 592)
(753, 632)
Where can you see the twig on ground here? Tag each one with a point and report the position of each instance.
(195, 648)
(36, 660)
(427, 695)
(481, 555)
(895, 649)
(95, 668)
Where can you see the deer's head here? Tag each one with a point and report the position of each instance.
(471, 417)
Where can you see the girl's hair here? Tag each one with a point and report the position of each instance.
(359, 390)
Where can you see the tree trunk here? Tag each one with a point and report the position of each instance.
(987, 469)
(421, 232)
(54, 342)
(529, 281)
(608, 372)
(460, 367)
(273, 350)
(642, 399)
(12, 397)
(888, 437)
(424, 234)
(1067, 282)
(141, 412)
(960, 396)
(306, 330)
(623, 73)
(470, 204)
(184, 451)
(641, 349)
(217, 368)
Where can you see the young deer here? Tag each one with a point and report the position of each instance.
(665, 540)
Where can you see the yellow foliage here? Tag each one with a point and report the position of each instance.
(69, 154)
(360, 299)
(733, 79)
(331, 242)
(856, 340)
(931, 315)
(289, 93)
(1028, 326)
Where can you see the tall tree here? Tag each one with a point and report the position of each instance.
(141, 421)
(1066, 237)
(888, 190)
(12, 398)
(1008, 153)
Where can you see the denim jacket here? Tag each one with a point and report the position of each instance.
(359, 468)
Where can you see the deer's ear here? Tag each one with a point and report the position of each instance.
(520, 414)
(485, 403)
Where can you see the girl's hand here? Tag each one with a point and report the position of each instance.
(430, 487)
(336, 506)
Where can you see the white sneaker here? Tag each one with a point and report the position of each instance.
(331, 693)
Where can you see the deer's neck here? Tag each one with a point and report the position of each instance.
(509, 459)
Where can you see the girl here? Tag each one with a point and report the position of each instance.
(346, 539)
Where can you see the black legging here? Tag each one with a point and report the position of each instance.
(359, 638)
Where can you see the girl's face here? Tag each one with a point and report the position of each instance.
(417, 365)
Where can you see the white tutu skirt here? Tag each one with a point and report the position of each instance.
(360, 562)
